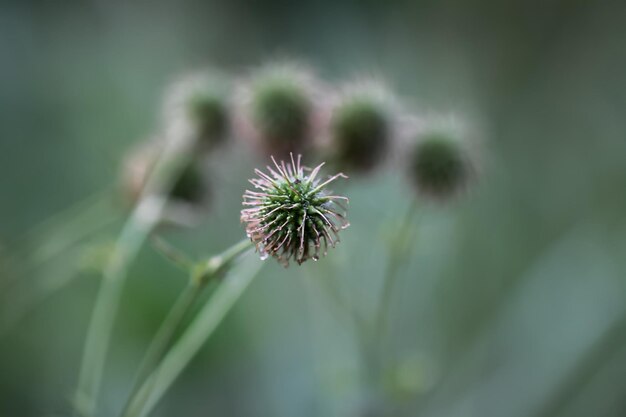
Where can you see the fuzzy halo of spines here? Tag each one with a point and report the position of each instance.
(444, 158)
(363, 125)
(280, 108)
(199, 105)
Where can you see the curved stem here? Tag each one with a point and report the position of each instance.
(142, 221)
(200, 329)
(165, 334)
(340, 304)
(56, 235)
(76, 216)
(98, 335)
(185, 301)
(163, 338)
(20, 300)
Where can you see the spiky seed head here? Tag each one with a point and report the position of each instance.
(362, 127)
(292, 214)
(201, 103)
(277, 107)
(440, 164)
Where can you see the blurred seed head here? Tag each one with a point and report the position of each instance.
(441, 163)
(293, 213)
(362, 127)
(200, 103)
(189, 196)
(278, 108)
(191, 186)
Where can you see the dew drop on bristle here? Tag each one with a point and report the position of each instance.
(262, 252)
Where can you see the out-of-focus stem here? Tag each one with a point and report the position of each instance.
(164, 335)
(144, 218)
(200, 329)
(398, 255)
(56, 235)
(200, 277)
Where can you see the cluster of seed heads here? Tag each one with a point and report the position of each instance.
(283, 109)
(196, 110)
(291, 214)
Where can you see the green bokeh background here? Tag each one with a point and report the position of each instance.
(513, 302)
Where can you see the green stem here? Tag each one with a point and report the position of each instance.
(396, 260)
(199, 330)
(230, 254)
(22, 299)
(165, 335)
(76, 216)
(56, 235)
(142, 221)
(163, 338)
(346, 308)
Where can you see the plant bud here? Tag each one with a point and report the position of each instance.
(361, 128)
(277, 109)
(201, 103)
(293, 213)
(440, 163)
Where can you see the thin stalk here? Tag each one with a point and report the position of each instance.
(77, 214)
(346, 308)
(339, 303)
(226, 258)
(398, 255)
(20, 300)
(198, 281)
(56, 235)
(172, 254)
(80, 226)
(134, 233)
(198, 331)
(320, 332)
(343, 309)
(164, 335)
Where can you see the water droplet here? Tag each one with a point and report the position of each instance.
(262, 252)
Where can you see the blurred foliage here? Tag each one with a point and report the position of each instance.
(513, 300)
